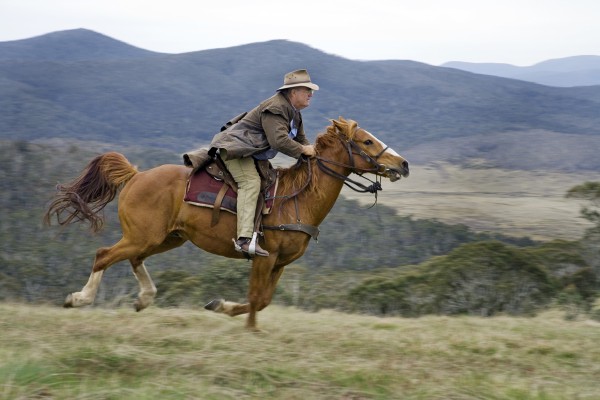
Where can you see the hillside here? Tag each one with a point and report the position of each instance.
(48, 352)
(119, 94)
(565, 72)
(71, 45)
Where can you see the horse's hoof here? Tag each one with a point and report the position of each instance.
(137, 306)
(68, 301)
(215, 305)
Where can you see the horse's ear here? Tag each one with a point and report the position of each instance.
(341, 126)
(339, 123)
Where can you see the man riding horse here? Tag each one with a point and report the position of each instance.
(155, 219)
(275, 125)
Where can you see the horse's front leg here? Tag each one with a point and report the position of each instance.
(263, 281)
(227, 307)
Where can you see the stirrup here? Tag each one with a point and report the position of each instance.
(252, 247)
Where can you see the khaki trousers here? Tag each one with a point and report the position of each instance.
(246, 176)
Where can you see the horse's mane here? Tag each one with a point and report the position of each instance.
(293, 178)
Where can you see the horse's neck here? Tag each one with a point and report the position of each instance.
(329, 187)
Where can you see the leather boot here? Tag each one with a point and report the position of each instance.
(243, 244)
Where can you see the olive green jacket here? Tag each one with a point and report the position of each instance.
(267, 126)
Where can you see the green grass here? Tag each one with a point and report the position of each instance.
(98, 353)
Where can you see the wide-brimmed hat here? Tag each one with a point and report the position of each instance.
(298, 78)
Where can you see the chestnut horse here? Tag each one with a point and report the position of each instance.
(154, 218)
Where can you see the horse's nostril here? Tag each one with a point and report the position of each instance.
(405, 165)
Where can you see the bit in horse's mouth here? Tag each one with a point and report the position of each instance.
(395, 175)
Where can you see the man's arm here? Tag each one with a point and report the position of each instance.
(277, 130)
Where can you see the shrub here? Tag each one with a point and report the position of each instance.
(483, 278)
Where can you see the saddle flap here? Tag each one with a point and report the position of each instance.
(214, 187)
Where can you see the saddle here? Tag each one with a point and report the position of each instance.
(213, 186)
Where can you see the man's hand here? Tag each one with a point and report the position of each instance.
(309, 150)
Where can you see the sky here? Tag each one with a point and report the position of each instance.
(518, 32)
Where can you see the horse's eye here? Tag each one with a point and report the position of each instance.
(368, 142)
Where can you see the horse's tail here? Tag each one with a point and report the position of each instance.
(84, 197)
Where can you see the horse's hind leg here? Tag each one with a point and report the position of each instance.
(147, 288)
(87, 294)
(105, 257)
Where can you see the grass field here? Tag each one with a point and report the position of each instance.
(97, 353)
(517, 203)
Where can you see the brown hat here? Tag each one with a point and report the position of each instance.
(298, 78)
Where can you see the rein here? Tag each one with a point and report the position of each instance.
(358, 187)
(353, 149)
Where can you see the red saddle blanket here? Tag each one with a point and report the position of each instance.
(203, 188)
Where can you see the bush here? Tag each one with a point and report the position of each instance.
(482, 278)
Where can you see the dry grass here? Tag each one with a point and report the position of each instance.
(518, 203)
(96, 353)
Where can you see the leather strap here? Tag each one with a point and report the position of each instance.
(311, 230)
(217, 205)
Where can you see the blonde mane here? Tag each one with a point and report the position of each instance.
(293, 178)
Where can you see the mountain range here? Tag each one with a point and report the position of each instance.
(82, 85)
(567, 72)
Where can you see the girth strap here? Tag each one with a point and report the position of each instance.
(311, 230)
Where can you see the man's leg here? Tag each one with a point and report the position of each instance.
(246, 176)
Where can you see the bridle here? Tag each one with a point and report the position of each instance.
(353, 149)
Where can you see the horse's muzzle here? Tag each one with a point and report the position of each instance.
(395, 174)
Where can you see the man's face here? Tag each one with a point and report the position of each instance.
(300, 97)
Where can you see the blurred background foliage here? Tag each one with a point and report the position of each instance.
(383, 263)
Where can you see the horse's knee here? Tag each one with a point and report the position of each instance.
(262, 304)
(259, 301)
